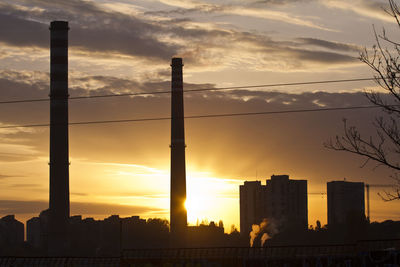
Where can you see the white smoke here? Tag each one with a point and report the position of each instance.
(255, 230)
(264, 238)
(266, 229)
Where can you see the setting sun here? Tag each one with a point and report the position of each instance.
(197, 207)
(210, 198)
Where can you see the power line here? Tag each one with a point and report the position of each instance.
(197, 116)
(280, 84)
(194, 90)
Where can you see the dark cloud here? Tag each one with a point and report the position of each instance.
(22, 32)
(15, 157)
(14, 87)
(264, 3)
(302, 100)
(26, 185)
(100, 209)
(293, 53)
(124, 41)
(78, 194)
(323, 56)
(272, 143)
(83, 86)
(200, 8)
(91, 29)
(35, 207)
(279, 2)
(72, 6)
(2, 176)
(175, 11)
(18, 207)
(330, 45)
(139, 194)
(97, 30)
(380, 6)
(218, 8)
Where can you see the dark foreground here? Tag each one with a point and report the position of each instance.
(363, 253)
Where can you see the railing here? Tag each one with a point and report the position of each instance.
(59, 261)
(265, 252)
(361, 253)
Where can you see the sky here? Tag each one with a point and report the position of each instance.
(126, 46)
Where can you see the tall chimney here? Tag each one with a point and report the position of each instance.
(178, 219)
(59, 156)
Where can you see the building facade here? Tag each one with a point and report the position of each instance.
(37, 230)
(11, 231)
(281, 200)
(345, 202)
(251, 205)
(286, 201)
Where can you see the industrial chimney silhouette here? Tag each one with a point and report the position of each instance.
(178, 214)
(59, 156)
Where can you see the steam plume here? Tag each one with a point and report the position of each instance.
(266, 230)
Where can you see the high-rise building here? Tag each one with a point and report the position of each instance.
(286, 201)
(178, 213)
(281, 200)
(11, 231)
(37, 230)
(345, 202)
(251, 195)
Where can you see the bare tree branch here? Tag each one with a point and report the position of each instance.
(384, 147)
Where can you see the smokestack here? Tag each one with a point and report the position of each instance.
(59, 156)
(178, 219)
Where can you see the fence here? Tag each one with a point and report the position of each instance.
(363, 253)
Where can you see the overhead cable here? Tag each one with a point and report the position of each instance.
(197, 116)
(192, 90)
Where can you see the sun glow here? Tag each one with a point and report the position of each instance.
(197, 207)
(210, 198)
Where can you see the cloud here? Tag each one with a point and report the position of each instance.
(323, 57)
(146, 143)
(272, 55)
(35, 206)
(13, 84)
(17, 152)
(330, 45)
(2, 176)
(78, 194)
(240, 9)
(22, 32)
(366, 8)
(18, 207)
(231, 148)
(20, 85)
(98, 34)
(100, 209)
(17, 85)
(280, 2)
(112, 32)
(26, 185)
(10, 157)
(276, 16)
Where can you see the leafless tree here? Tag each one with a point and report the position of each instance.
(384, 147)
